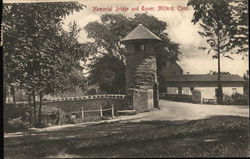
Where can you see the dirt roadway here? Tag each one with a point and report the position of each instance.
(169, 111)
(188, 111)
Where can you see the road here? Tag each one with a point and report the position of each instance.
(170, 110)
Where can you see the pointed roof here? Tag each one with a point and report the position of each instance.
(140, 33)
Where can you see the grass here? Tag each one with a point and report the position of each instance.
(218, 136)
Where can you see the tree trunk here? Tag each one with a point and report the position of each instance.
(4, 100)
(34, 106)
(13, 93)
(40, 108)
(4, 95)
(219, 92)
(29, 102)
(29, 99)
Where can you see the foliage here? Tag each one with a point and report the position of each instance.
(239, 98)
(12, 111)
(93, 89)
(31, 32)
(108, 33)
(113, 27)
(224, 25)
(108, 73)
(236, 98)
(70, 120)
(240, 34)
(38, 53)
(246, 86)
(219, 28)
(227, 99)
(16, 124)
(40, 125)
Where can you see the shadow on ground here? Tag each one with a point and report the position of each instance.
(216, 136)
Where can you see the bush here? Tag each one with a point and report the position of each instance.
(235, 98)
(16, 124)
(227, 99)
(39, 125)
(92, 91)
(45, 99)
(239, 98)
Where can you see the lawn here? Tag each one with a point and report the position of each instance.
(217, 136)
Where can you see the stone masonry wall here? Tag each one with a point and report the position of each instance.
(65, 107)
(140, 76)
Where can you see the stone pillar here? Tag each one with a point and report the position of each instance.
(141, 75)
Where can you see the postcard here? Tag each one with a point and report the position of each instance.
(125, 79)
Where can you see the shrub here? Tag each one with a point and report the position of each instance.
(92, 91)
(235, 98)
(239, 98)
(39, 125)
(45, 99)
(227, 99)
(16, 124)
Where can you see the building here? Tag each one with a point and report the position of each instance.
(205, 83)
(171, 68)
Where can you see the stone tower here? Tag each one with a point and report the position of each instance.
(141, 76)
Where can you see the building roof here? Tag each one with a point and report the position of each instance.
(178, 65)
(140, 33)
(203, 78)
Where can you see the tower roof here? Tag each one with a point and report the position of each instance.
(140, 33)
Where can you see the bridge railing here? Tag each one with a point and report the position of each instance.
(104, 96)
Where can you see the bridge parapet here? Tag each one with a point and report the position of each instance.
(101, 96)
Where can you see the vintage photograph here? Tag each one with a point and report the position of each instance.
(125, 79)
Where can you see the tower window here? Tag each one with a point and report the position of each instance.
(140, 47)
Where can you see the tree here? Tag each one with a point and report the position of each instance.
(246, 86)
(37, 52)
(240, 32)
(108, 32)
(218, 28)
(109, 73)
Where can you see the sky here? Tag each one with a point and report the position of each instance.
(180, 30)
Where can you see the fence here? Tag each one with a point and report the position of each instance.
(209, 101)
(92, 115)
(53, 118)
